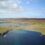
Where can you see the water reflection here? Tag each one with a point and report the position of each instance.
(22, 37)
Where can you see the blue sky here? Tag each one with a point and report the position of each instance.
(22, 8)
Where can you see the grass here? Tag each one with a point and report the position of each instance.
(34, 26)
(3, 29)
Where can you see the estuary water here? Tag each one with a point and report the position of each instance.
(12, 24)
(22, 37)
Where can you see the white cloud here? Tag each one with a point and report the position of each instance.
(3, 3)
(11, 5)
(15, 5)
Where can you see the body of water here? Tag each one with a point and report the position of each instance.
(22, 37)
(12, 24)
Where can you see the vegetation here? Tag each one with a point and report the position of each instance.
(34, 26)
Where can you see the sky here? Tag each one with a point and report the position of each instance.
(22, 8)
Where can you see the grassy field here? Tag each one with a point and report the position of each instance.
(32, 25)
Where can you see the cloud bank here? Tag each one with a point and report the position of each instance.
(11, 5)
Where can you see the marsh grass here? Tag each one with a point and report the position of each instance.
(3, 29)
(35, 26)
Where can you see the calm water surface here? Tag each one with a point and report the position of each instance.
(22, 37)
